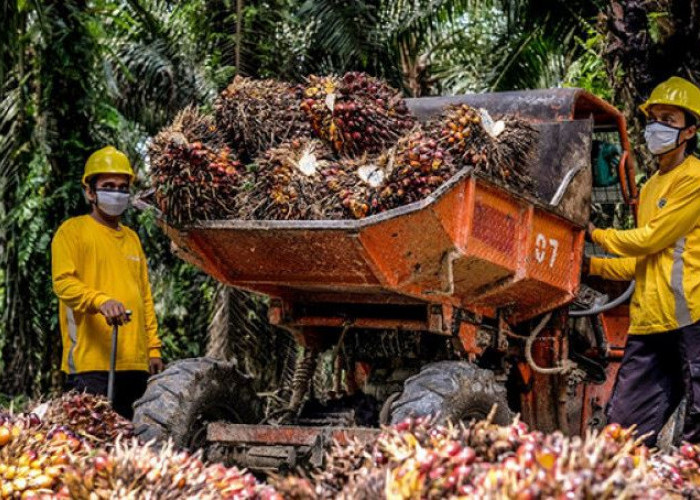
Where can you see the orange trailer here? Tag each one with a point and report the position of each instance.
(483, 275)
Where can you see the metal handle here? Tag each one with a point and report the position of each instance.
(113, 361)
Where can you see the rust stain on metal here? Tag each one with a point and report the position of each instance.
(284, 435)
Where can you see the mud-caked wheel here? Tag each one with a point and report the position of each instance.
(454, 391)
(184, 398)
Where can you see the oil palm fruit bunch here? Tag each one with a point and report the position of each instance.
(367, 484)
(195, 174)
(256, 115)
(301, 179)
(294, 488)
(418, 166)
(501, 150)
(680, 469)
(342, 464)
(90, 416)
(482, 460)
(460, 130)
(515, 149)
(356, 113)
(131, 470)
(34, 457)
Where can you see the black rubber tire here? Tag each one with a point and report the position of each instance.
(454, 391)
(181, 400)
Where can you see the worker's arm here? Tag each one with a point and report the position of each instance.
(613, 269)
(673, 221)
(66, 284)
(154, 343)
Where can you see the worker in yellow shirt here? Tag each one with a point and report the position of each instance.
(99, 273)
(661, 363)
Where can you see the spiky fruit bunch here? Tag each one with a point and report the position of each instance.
(460, 130)
(90, 416)
(33, 457)
(131, 470)
(196, 176)
(417, 459)
(301, 179)
(256, 115)
(342, 465)
(681, 468)
(356, 113)
(515, 149)
(294, 488)
(501, 151)
(420, 165)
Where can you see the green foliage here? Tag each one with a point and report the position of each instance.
(588, 71)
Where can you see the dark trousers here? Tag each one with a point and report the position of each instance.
(657, 370)
(128, 387)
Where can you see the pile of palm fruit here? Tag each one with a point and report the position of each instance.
(330, 148)
(419, 460)
(82, 449)
(58, 456)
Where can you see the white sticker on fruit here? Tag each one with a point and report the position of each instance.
(330, 101)
(307, 163)
(371, 174)
(494, 129)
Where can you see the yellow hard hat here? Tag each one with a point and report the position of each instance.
(675, 91)
(108, 160)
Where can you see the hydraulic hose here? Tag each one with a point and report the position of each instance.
(566, 366)
(601, 308)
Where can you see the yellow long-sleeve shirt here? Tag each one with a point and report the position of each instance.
(662, 254)
(92, 263)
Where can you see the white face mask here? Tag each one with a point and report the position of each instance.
(661, 138)
(112, 203)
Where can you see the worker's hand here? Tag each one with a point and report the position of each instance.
(589, 231)
(586, 266)
(155, 365)
(114, 312)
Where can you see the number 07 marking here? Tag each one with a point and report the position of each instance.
(543, 246)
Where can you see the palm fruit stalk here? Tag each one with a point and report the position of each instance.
(256, 115)
(356, 113)
(89, 416)
(418, 166)
(195, 174)
(131, 470)
(301, 179)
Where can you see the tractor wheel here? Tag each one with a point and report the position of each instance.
(184, 398)
(454, 391)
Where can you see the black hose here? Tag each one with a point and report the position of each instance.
(607, 306)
